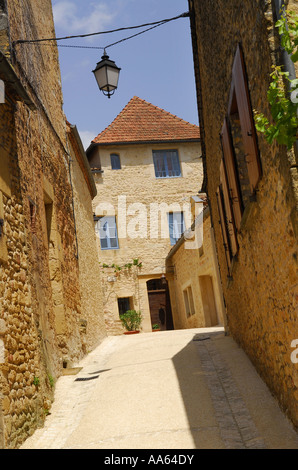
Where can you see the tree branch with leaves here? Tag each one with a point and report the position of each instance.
(282, 93)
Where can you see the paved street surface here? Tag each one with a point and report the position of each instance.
(184, 389)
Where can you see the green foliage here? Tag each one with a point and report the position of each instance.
(155, 326)
(51, 381)
(131, 320)
(36, 381)
(284, 111)
(118, 268)
(288, 29)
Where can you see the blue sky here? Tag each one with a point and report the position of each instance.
(156, 66)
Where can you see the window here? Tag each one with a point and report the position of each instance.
(240, 167)
(166, 163)
(107, 229)
(124, 304)
(240, 103)
(115, 161)
(223, 221)
(176, 226)
(226, 218)
(188, 301)
(232, 173)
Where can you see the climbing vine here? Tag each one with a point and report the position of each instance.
(284, 105)
(117, 268)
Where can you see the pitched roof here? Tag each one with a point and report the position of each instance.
(141, 121)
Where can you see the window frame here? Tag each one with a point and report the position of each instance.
(232, 173)
(116, 165)
(240, 101)
(175, 223)
(223, 226)
(229, 193)
(129, 302)
(164, 154)
(189, 301)
(109, 227)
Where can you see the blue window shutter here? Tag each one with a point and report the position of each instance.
(115, 161)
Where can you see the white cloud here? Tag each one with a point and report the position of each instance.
(68, 17)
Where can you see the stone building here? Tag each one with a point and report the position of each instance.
(251, 185)
(147, 166)
(42, 319)
(193, 275)
(84, 191)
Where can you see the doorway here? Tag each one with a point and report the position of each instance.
(159, 304)
(208, 300)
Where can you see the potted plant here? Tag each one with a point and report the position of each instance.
(131, 320)
(155, 327)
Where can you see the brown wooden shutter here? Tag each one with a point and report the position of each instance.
(224, 231)
(228, 210)
(240, 85)
(232, 175)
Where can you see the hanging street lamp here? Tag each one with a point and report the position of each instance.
(107, 75)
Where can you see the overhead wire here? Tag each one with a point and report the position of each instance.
(109, 45)
(152, 26)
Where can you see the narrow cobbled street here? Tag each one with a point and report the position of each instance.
(184, 389)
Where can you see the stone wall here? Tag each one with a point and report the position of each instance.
(193, 265)
(40, 296)
(261, 291)
(21, 404)
(84, 191)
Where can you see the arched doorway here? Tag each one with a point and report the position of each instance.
(159, 303)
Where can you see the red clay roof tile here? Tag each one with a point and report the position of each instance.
(140, 121)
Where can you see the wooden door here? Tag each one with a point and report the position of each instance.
(208, 300)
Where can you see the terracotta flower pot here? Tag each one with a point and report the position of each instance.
(131, 332)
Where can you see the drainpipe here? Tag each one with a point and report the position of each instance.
(286, 59)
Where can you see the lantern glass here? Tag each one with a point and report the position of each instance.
(113, 76)
(107, 75)
(101, 77)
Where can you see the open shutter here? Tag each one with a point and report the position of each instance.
(240, 85)
(232, 175)
(228, 210)
(224, 231)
